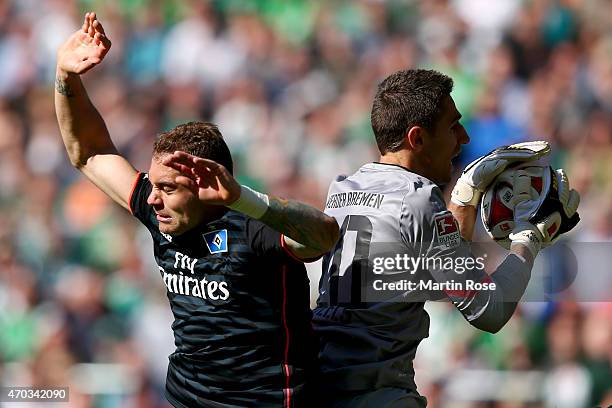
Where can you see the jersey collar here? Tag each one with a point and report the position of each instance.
(393, 167)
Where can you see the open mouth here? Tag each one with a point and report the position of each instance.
(163, 218)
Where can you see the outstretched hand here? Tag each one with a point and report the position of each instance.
(212, 182)
(85, 48)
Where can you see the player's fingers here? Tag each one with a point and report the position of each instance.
(204, 174)
(197, 162)
(175, 159)
(211, 165)
(101, 39)
(188, 169)
(183, 156)
(203, 167)
(85, 22)
(188, 182)
(106, 43)
(97, 25)
(181, 168)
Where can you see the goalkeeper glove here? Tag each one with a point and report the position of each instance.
(477, 175)
(540, 220)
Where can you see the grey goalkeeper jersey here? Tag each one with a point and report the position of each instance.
(399, 247)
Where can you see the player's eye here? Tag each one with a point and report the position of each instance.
(166, 188)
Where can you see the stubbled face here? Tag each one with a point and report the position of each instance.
(175, 202)
(445, 142)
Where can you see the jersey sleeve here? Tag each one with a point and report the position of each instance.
(430, 230)
(267, 242)
(427, 223)
(138, 197)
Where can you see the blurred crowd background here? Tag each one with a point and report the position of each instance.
(290, 84)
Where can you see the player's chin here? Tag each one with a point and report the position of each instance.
(175, 227)
(168, 227)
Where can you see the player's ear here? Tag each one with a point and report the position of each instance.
(415, 138)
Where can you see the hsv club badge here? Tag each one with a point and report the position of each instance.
(216, 241)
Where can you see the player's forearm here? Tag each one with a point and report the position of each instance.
(311, 232)
(511, 279)
(83, 130)
(489, 306)
(466, 218)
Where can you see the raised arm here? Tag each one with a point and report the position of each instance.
(83, 130)
(308, 232)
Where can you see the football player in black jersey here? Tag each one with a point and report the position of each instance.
(229, 256)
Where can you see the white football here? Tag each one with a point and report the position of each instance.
(497, 208)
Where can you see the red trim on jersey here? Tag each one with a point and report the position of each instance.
(129, 203)
(287, 391)
(288, 250)
(292, 255)
(287, 402)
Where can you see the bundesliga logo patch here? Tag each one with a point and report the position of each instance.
(216, 241)
(447, 230)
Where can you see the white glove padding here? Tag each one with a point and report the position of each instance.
(541, 217)
(526, 202)
(477, 175)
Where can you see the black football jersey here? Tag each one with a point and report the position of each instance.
(241, 311)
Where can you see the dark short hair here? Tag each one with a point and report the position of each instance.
(405, 99)
(201, 139)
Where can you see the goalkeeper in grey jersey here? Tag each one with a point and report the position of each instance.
(395, 225)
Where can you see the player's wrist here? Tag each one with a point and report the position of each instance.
(464, 194)
(251, 202)
(61, 74)
(64, 76)
(527, 235)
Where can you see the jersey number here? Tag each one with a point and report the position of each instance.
(344, 286)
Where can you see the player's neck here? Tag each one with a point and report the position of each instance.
(213, 212)
(399, 158)
(404, 159)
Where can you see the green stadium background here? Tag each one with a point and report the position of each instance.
(290, 83)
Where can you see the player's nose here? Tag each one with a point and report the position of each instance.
(463, 138)
(154, 199)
